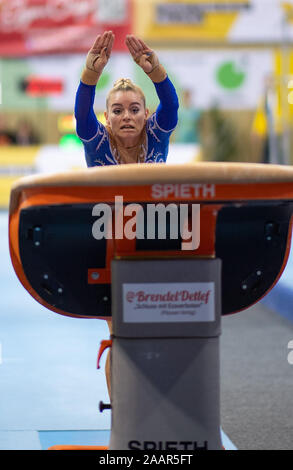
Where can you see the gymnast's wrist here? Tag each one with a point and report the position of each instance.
(158, 74)
(89, 77)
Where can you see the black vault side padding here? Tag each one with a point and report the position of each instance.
(57, 248)
(251, 240)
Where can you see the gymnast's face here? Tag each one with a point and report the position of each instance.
(126, 115)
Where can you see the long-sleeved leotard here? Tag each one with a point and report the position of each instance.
(95, 137)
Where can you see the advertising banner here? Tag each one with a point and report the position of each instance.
(215, 21)
(169, 302)
(30, 27)
(228, 78)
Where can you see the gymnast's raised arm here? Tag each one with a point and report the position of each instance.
(148, 60)
(96, 60)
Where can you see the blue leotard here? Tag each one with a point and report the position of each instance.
(94, 135)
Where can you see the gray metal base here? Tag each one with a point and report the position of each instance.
(165, 366)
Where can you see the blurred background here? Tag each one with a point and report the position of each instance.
(231, 62)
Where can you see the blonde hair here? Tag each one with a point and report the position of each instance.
(125, 84)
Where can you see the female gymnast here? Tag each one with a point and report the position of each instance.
(130, 134)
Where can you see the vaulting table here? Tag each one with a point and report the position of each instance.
(166, 250)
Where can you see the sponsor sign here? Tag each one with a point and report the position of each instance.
(45, 26)
(220, 21)
(169, 302)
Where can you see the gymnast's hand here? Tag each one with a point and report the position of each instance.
(146, 58)
(98, 57)
(100, 52)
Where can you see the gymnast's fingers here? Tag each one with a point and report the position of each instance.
(101, 41)
(144, 46)
(110, 44)
(97, 43)
(106, 38)
(134, 43)
(132, 49)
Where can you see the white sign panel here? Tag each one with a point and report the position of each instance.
(169, 302)
(231, 79)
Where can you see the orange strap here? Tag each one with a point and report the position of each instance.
(76, 447)
(106, 343)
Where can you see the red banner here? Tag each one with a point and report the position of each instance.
(29, 27)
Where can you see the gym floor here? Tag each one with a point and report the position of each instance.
(51, 388)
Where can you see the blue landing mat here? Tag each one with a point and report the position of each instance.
(280, 298)
(43, 440)
(48, 374)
